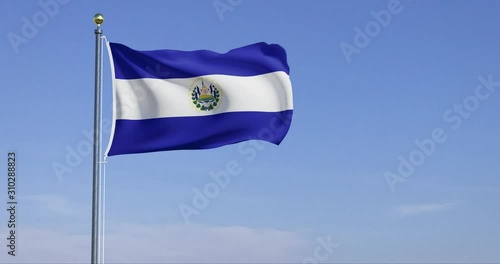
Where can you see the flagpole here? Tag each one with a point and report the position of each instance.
(98, 20)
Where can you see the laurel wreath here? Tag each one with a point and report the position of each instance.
(202, 107)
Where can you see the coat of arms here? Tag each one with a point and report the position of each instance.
(205, 95)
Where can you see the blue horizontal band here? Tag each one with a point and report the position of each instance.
(255, 59)
(201, 132)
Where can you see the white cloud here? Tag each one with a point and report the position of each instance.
(53, 203)
(140, 243)
(132, 243)
(417, 209)
(45, 246)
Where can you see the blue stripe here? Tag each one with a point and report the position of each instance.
(206, 132)
(255, 59)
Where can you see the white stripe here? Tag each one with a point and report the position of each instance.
(155, 98)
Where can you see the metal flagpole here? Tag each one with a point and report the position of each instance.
(98, 20)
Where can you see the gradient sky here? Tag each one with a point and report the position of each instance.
(356, 116)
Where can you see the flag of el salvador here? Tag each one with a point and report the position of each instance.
(179, 100)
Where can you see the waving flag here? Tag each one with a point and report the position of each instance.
(173, 100)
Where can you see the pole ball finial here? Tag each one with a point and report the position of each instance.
(98, 19)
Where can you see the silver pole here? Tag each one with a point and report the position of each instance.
(98, 20)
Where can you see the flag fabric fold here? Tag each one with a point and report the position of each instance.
(178, 100)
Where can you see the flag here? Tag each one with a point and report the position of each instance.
(175, 100)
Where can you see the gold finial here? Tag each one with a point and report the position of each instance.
(98, 19)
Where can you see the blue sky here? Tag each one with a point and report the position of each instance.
(427, 74)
